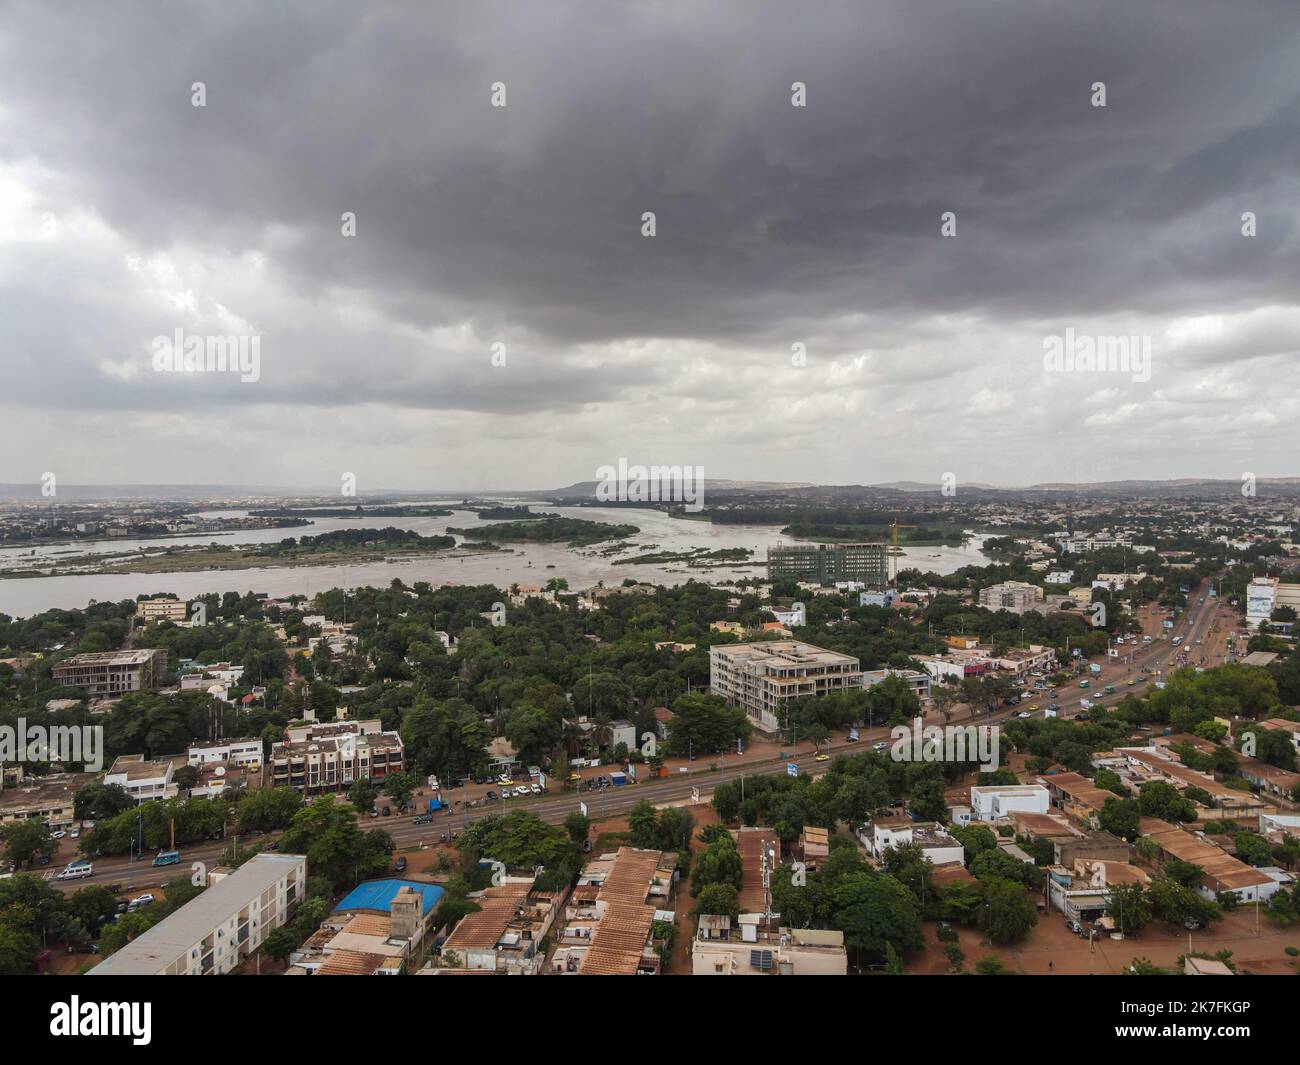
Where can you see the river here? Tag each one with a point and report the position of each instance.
(516, 564)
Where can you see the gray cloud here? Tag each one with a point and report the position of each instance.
(776, 225)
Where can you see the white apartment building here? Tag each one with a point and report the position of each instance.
(917, 681)
(762, 678)
(246, 753)
(141, 779)
(997, 801)
(228, 922)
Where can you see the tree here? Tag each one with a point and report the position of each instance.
(1008, 913)
(266, 809)
(1120, 817)
(335, 846)
(643, 823)
(578, 826)
(24, 840)
(875, 912)
(362, 796)
(399, 787)
(1128, 906)
(719, 864)
(991, 965)
(720, 899)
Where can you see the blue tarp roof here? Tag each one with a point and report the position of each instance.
(378, 895)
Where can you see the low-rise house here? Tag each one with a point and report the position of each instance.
(506, 933)
(1221, 872)
(933, 839)
(759, 946)
(1081, 891)
(609, 920)
(994, 802)
(365, 940)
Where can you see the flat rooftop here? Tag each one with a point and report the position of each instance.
(174, 935)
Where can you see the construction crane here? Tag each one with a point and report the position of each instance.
(893, 555)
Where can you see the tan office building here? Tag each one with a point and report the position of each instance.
(763, 678)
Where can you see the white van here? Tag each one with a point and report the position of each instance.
(77, 871)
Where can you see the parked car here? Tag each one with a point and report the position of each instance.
(140, 902)
(401, 864)
(388, 812)
(491, 794)
(537, 789)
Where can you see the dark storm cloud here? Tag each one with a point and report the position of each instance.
(774, 223)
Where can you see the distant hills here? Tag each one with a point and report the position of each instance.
(730, 490)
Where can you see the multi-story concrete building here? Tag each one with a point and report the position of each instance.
(827, 564)
(762, 678)
(143, 779)
(245, 753)
(228, 922)
(333, 757)
(112, 673)
(147, 611)
(917, 681)
(49, 799)
(1015, 596)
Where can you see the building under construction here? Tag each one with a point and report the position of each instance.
(825, 564)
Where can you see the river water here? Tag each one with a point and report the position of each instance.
(516, 564)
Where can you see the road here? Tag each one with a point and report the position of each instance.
(1156, 656)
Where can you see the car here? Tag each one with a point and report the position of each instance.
(575, 776)
(1024, 713)
(401, 864)
(537, 789)
(45, 859)
(1033, 709)
(374, 813)
(821, 757)
(521, 790)
(84, 948)
(1191, 924)
(423, 819)
(140, 902)
(388, 812)
(491, 794)
(503, 779)
(75, 834)
(881, 746)
(57, 835)
(122, 904)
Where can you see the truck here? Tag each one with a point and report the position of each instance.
(167, 858)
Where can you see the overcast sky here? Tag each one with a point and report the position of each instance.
(127, 213)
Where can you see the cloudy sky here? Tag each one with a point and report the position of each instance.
(127, 213)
